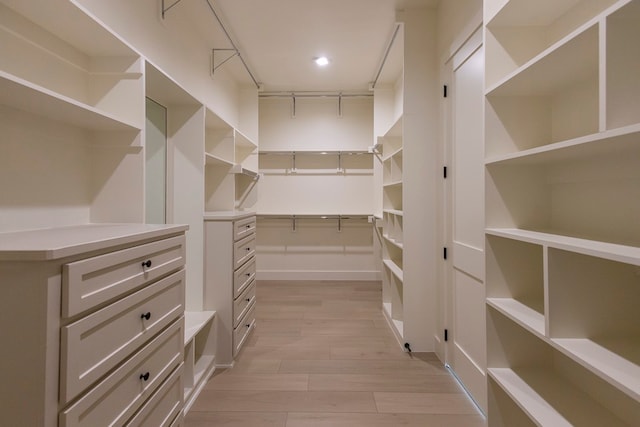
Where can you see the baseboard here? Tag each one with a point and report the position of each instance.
(318, 275)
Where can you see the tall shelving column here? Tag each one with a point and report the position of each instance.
(562, 127)
(405, 116)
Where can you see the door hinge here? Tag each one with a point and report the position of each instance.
(444, 253)
(446, 335)
(444, 91)
(444, 172)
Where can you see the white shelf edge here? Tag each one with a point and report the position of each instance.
(26, 96)
(527, 66)
(624, 374)
(393, 184)
(520, 313)
(610, 251)
(394, 130)
(194, 321)
(527, 398)
(566, 146)
(215, 160)
(393, 212)
(240, 170)
(245, 141)
(395, 152)
(393, 267)
(393, 241)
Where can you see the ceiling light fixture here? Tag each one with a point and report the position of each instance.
(321, 61)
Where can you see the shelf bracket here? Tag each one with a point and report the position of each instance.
(215, 66)
(293, 162)
(165, 8)
(293, 106)
(339, 223)
(293, 223)
(340, 170)
(340, 104)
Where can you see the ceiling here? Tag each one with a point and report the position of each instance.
(278, 40)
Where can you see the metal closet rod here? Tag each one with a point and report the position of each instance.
(386, 55)
(294, 218)
(282, 94)
(224, 30)
(314, 152)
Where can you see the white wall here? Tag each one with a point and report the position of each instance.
(316, 250)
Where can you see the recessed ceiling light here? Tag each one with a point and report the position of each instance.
(321, 61)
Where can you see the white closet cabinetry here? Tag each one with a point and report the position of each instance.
(404, 120)
(72, 114)
(562, 207)
(230, 269)
(100, 336)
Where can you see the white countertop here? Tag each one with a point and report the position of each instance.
(227, 215)
(60, 242)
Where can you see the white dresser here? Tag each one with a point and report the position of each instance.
(230, 270)
(92, 325)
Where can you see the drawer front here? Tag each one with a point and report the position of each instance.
(243, 277)
(164, 406)
(96, 280)
(243, 228)
(116, 398)
(241, 333)
(243, 251)
(241, 304)
(97, 343)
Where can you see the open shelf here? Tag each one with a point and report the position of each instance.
(551, 388)
(520, 313)
(23, 95)
(604, 250)
(622, 64)
(394, 268)
(70, 63)
(213, 160)
(519, 33)
(535, 105)
(621, 140)
(600, 329)
(200, 345)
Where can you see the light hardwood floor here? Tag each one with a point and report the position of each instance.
(322, 356)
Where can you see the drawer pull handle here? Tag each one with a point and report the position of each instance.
(248, 325)
(248, 274)
(248, 299)
(146, 263)
(248, 225)
(146, 315)
(248, 249)
(145, 376)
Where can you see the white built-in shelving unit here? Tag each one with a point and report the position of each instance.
(562, 132)
(404, 120)
(231, 170)
(72, 116)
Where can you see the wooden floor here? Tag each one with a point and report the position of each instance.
(322, 355)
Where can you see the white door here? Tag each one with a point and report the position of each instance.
(465, 319)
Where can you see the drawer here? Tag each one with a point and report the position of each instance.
(243, 228)
(242, 303)
(162, 409)
(96, 280)
(116, 398)
(95, 344)
(241, 333)
(243, 277)
(243, 251)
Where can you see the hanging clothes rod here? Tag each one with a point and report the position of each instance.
(313, 95)
(314, 153)
(295, 217)
(165, 9)
(386, 55)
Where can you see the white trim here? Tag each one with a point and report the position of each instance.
(317, 275)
